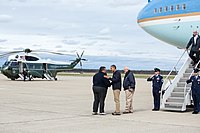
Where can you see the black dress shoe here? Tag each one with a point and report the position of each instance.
(115, 113)
(195, 112)
(155, 109)
(94, 113)
(125, 112)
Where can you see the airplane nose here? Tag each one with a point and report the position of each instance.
(143, 14)
(139, 16)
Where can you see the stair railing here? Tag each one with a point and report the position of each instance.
(187, 93)
(169, 84)
(168, 79)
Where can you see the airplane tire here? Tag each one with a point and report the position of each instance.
(12, 79)
(55, 79)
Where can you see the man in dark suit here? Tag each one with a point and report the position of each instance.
(100, 86)
(195, 47)
(195, 80)
(157, 82)
(116, 86)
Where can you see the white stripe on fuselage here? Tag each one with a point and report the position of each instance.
(170, 20)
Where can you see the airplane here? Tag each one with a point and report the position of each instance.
(28, 66)
(171, 21)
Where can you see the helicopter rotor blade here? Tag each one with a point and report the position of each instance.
(84, 59)
(51, 52)
(77, 55)
(9, 53)
(82, 54)
(81, 64)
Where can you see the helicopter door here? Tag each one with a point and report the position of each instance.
(45, 67)
(21, 66)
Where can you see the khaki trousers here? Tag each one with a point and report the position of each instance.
(116, 94)
(129, 101)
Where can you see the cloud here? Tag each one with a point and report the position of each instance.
(71, 42)
(3, 40)
(105, 31)
(58, 46)
(4, 18)
(125, 2)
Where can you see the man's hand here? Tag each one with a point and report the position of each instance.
(152, 76)
(106, 77)
(131, 90)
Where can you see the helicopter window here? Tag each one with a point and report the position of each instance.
(171, 8)
(38, 66)
(14, 64)
(31, 58)
(184, 6)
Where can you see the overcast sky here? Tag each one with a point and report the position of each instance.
(106, 28)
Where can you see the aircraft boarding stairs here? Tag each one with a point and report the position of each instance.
(177, 92)
(46, 75)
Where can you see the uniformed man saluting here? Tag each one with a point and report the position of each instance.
(157, 82)
(195, 80)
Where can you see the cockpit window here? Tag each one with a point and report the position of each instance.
(6, 63)
(14, 64)
(31, 58)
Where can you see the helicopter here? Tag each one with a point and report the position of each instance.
(28, 66)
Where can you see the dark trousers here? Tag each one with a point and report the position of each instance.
(99, 98)
(194, 58)
(156, 96)
(196, 99)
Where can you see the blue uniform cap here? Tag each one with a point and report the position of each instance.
(196, 70)
(156, 69)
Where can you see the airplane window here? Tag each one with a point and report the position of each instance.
(184, 6)
(178, 7)
(171, 8)
(166, 8)
(31, 58)
(160, 9)
(155, 10)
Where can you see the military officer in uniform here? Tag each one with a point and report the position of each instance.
(195, 80)
(157, 82)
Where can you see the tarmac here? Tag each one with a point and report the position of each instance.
(65, 106)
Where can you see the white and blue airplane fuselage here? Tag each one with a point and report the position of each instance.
(171, 21)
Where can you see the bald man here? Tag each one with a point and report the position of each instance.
(129, 88)
(195, 47)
